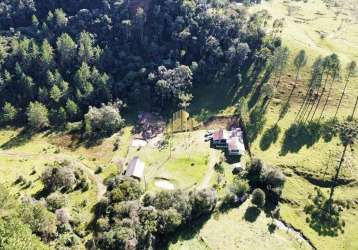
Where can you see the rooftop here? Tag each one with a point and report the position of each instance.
(135, 168)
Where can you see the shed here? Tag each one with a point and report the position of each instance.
(135, 168)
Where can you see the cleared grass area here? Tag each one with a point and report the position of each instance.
(318, 29)
(30, 159)
(237, 229)
(185, 166)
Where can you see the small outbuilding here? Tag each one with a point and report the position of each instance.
(135, 169)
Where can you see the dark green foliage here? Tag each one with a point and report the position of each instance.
(63, 177)
(41, 221)
(324, 215)
(258, 197)
(125, 219)
(103, 121)
(124, 189)
(14, 234)
(202, 201)
(271, 180)
(91, 52)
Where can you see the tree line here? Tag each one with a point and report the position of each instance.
(58, 59)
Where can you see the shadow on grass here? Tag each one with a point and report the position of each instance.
(256, 124)
(269, 137)
(251, 214)
(299, 135)
(20, 139)
(324, 215)
(185, 232)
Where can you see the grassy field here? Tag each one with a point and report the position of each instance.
(184, 167)
(238, 229)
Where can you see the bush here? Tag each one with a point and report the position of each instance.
(202, 201)
(98, 170)
(59, 177)
(124, 189)
(103, 121)
(239, 187)
(41, 221)
(56, 201)
(258, 198)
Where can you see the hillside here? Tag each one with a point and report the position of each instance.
(93, 153)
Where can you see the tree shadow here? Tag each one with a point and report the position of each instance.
(185, 232)
(299, 135)
(251, 214)
(20, 139)
(324, 215)
(256, 124)
(269, 137)
(257, 94)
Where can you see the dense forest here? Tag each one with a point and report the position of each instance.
(59, 58)
(63, 62)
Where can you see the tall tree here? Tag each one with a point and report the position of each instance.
(351, 71)
(313, 84)
(326, 72)
(299, 62)
(335, 69)
(348, 134)
(66, 49)
(279, 63)
(37, 115)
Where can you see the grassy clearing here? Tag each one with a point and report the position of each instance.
(30, 159)
(184, 167)
(237, 230)
(316, 28)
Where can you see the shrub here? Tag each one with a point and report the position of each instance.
(103, 121)
(239, 187)
(124, 189)
(98, 170)
(56, 178)
(258, 198)
(63, 216)
(202, 201)
(56, 201)
(41, 221)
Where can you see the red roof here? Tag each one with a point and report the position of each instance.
(218, 135)
(233, 143)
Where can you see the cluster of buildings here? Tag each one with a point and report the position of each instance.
(231, 140)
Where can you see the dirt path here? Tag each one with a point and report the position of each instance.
(213, 158)
(101, 188)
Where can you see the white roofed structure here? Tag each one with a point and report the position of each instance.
(135, 168)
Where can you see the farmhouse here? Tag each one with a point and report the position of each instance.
(135, 168)
(230, 140)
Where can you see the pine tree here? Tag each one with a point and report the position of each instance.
(351, 71)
